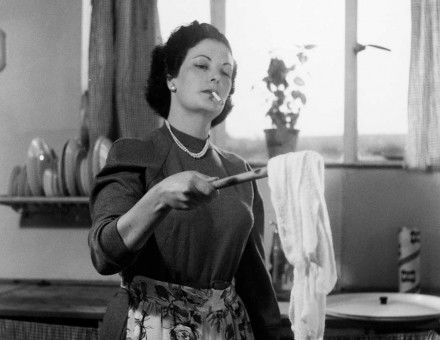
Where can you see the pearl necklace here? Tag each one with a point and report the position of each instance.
(183, 147)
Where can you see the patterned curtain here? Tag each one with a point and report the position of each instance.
(122, 36)
(423, 139)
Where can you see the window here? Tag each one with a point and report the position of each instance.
(255, 37)
(383, 78)
(366, 110)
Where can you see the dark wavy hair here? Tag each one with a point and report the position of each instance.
(168, 58)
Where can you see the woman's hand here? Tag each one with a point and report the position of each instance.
(186, 190)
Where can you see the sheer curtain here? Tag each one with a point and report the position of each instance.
(423, 139)
(122, 36)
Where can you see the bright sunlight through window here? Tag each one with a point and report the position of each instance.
(261, 29)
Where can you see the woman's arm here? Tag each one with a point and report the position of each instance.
(182, 191)
(124, 215)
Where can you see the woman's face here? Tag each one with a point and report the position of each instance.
(207, 67)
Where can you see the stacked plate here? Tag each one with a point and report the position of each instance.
(72, 152)
(18, 184)
(12, 185)
(84, 120)
(83, 176)
(99, 155)
(78, 167)
(39, 158)
(72, 174)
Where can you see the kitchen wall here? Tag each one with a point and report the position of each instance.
(40, 93)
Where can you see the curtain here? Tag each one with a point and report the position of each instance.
(423, 138)
(122, 36)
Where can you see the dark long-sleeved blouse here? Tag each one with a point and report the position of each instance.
(205, 247)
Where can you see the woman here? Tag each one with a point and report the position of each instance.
(191, 258)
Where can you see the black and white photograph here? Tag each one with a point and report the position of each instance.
(220, 169)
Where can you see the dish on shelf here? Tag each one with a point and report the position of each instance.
(84, 117)
(39, 157)
(99, 155)
(12, 184)
(81, 181)
(50, 182)
(22, 182)
(79, 176)
(62, 188)
(47, 183)
(50, 178)
(27, 189)
(71, 156)
(384, 306)
(91, 179)
(86, 175)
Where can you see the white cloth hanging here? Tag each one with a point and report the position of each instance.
(296, 181)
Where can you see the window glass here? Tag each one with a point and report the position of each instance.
(260, 29)
(173, 13)
(383, 78)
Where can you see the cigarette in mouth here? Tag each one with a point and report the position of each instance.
(217, 97)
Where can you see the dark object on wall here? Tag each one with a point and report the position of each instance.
(2, 50)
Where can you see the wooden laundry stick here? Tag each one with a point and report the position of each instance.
(240, 178)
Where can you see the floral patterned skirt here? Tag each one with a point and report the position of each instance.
(165, 311)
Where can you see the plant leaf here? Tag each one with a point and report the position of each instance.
(299, 81)
(302, 57)
(299, 95)
(277, 72)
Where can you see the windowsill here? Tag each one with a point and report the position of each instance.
(359, 165)
(366, 165)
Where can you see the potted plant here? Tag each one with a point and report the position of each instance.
(286, 84)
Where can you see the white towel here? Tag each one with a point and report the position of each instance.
(296, 181)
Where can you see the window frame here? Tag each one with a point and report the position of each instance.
(350, 138)
(218, 19)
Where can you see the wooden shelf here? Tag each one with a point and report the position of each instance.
(50, 211)
(23, 200)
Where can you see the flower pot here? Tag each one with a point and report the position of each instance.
(280, 141)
